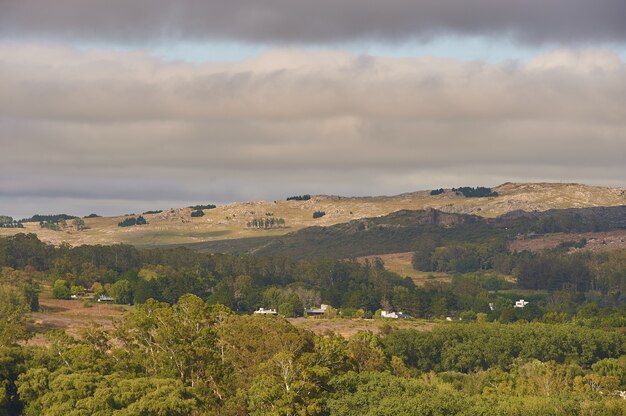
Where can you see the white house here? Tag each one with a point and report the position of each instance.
(393, 315)
(520, 303)
(263, 311)
(105, 298)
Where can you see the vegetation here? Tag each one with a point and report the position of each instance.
(194, 358)
(131, 221)
(266, 223)
(198, 213)
(437, 191)
(318, 214)
(202, 207)
(9, 222)
(182, 350)
(92, 216)
(305, 197)
(49, 218)
(156, 211)
(478, 192)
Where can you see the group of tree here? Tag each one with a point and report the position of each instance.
(318, 214)
(9, 222)
(49, 218)
(478, 192)
(304, 197)
(266, 222)
(154, 211)
(197, 213)
(195, 358)
(131, 221)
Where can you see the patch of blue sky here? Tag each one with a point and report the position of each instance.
(484, 49)
(462, 48)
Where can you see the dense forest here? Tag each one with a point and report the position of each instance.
(190, 344)
(191, 358)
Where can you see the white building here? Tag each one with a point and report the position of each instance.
(520, 303)
(263, 311)
(316, 311)
(393, 315)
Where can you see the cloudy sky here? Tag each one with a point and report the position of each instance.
(127, 105)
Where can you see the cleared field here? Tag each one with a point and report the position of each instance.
(400, 263)
(71, 316)
(348, 327)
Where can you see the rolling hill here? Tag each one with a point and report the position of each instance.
(227, 226)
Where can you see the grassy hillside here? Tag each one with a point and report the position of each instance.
(228, 224)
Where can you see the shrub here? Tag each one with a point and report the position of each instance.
(128, 222)
(319, 214)
(197, 213)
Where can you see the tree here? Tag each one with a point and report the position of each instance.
(122, 291)
(13, 310)
(79, 224)
(61, 290)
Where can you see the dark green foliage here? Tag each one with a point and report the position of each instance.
(129, 222)
(92, 216)
(478, 192)
(202, 207)
(49, 218)
(319, 214)
(437, 191)
(198, 213)
(157, 211)
(305, 197)
(474, 347)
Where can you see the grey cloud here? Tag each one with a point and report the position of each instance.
(119, 132)
(530, 21)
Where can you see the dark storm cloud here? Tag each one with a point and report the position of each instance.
(319, 21)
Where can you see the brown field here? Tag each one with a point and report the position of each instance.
(349, 327)
(72, 317)
(175, 225)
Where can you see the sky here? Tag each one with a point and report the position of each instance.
(129, 105)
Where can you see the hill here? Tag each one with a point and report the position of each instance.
(227, 226)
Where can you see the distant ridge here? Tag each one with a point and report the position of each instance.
(230, 222)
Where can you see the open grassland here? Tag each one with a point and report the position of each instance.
(229, 222)
(400, 263)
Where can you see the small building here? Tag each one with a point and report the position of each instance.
(491, 306)
(263, 311)
(106, 299)
(520, 303)
(393, 315)
(316, 311)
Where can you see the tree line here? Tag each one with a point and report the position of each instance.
(194, 358)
